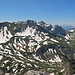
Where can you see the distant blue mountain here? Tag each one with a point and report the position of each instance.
(67, 27)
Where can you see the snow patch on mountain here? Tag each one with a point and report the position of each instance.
(29, 31)
(38, 58)
(56, 59)
(1, 57)
(52, 74)
(5, 35)
(53, 40)
(62, 70)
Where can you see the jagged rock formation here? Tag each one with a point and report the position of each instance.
(26, 22)
(41, 23)
(58, 30)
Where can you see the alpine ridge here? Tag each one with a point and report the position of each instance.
(28, 47)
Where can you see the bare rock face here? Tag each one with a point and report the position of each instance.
(58, 30)
(41, 23)
(1, 72)
(26, 22)
(32, 72)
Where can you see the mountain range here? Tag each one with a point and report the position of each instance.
(36, 48)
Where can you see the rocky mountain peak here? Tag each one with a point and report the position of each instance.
(41, 23)
(26, 22)
(58, 30)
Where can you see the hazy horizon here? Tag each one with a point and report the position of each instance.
(51, 11)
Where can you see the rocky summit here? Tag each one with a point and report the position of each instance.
(36, 48)
(58, 30)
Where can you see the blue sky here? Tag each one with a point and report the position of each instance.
(51, 11)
